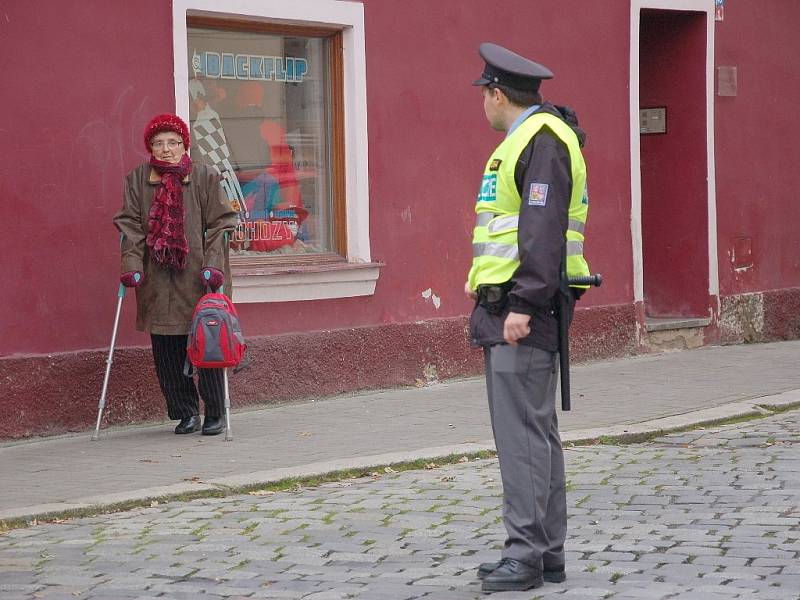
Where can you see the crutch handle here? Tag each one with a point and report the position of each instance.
(207, 277)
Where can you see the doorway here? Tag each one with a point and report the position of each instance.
(674, 164)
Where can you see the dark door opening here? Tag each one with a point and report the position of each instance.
(674, 170)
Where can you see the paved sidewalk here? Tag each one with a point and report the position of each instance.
(639, 394)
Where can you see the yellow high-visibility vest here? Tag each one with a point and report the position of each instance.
(495, 251)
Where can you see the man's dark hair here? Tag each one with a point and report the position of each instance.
(523, 98)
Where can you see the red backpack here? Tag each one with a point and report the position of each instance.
(215, 339)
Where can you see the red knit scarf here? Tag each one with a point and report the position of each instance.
(166, 237)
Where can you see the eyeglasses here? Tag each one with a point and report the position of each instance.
(171, 144)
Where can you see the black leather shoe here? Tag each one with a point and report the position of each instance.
(550, 575)
(554, 574)
(213, 426)
(188, 425)
(485, 568)
(512, 576)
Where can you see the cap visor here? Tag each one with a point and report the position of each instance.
(481, 81)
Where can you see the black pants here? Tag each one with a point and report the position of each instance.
(169, 355)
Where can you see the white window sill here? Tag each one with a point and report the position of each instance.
(315, 282)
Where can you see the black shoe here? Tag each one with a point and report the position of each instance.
(554, 574)
(213, 426)
(188, 425)
(550, 575)
(485, 568)
(512, 576)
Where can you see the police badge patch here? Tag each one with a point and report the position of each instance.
(538, 194)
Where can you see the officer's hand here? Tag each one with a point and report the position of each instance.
(515, 327)
(468, 291)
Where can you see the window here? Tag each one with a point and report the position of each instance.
(270, 108)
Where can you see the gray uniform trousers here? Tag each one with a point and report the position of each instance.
(521, 385)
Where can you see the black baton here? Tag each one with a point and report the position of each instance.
(563, 324)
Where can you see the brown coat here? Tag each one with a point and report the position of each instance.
(166, 299)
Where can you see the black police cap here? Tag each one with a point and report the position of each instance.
(504, 67)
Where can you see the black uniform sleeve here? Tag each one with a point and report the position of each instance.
(544, 179)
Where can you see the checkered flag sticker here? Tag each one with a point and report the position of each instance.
(210, 141)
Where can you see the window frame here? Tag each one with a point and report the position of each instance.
(349, 270)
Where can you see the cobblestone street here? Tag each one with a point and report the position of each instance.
(707, 514)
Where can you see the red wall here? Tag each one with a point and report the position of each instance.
(672, 70)
(429, 138)
(80, 80)
(80, 94)
(757, 135)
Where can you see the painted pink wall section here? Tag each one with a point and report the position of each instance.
(757, 134)
(80, 95)
(674, 165)
(429, 139)
(76, 94)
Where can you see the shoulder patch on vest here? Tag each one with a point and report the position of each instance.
(488, 191)
(538, 194)
(495, 164)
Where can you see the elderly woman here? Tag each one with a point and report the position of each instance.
(174, 218)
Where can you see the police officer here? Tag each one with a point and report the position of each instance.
(531, 211)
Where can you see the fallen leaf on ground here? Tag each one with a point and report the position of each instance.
(261, 493)
(431, 466)
(389, 470)
(463, 459)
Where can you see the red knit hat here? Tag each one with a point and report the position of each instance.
(166, 122)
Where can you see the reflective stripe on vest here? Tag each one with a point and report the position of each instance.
(500, 250)
(499, 202)
(574, 248)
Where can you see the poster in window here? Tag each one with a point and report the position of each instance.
(260, 115)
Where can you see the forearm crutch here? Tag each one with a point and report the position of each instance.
(109, 360)
(228, 432)
(227, 401)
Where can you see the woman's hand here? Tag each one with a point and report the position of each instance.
(213, 278)
(131, 279)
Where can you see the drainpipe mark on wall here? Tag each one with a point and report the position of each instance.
(429, 295)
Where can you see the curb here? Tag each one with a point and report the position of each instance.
(635, 432)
